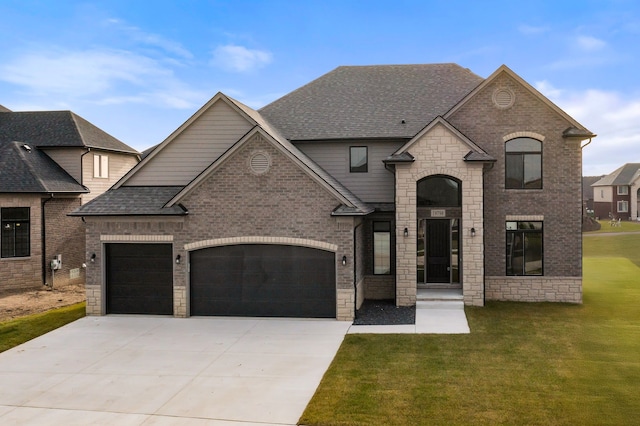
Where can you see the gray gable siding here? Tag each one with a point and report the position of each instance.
(68, 159)
(194, 149)
(375, 186)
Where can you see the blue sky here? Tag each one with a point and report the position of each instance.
(138, 69)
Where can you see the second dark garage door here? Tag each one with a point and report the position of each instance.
(263, 280)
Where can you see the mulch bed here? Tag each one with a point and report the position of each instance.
(384, 312)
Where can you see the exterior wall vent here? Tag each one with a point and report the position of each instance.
(503, 98)
(259, 162)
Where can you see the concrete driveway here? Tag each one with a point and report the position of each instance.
(135, 370)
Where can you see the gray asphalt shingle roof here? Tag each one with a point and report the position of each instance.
(623, 175)
(370, 101)
(24, 168)
(133, 201)
(56, 129)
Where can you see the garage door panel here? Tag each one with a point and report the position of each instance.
(139, 278)
(263, 280)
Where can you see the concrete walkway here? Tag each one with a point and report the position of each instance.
(432, 317)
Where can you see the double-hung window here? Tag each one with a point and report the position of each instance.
(523, 164)
(15, 235)
(623, 190)
(623, 206)
(524, 248)
(381, 248)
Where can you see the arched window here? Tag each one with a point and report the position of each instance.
(523, 164)
(439, 191)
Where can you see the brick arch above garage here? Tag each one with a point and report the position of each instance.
(261, 240)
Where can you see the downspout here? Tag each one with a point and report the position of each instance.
(355, 271)
(43, 237)
(81, 165)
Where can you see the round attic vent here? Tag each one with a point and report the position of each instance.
(259, 162)
(503, 98)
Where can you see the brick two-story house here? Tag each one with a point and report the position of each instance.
(617, 195)
(370, 182)
(51, 162)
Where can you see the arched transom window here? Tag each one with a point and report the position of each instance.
(523, 164)
(439, 191)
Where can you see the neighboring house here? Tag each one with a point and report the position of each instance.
(587, 193)
(51, 162)
(368, 183)
(616, 195)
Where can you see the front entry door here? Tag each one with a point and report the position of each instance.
(437, 251)
(438, 261)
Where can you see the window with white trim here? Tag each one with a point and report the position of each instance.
(100, 166)
(623, 206)
(623, 190)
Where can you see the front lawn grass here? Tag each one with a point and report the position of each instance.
(18, 331)
(522, 364)
(625, 226)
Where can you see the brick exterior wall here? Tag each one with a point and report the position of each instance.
(65, 235)
(23, 273)
(439, 152)
(233, 202)
(559, 202)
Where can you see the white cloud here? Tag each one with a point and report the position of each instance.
(138, 35)
(590, 44)
(613, 116)
(532, 30)
(101, 76)
(232, 57)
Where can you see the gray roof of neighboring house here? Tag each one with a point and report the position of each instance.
(133, 201)
(624, 175)
(381, 101)
(4, 109)
(587, 189)
(52, 129)
(26, 169)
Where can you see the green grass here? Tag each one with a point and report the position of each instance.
(522, 364)
(625, 226)
(18, 331)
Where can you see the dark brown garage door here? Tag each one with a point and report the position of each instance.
(263, 280)
(139, 279)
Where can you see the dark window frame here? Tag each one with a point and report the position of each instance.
(363, 168)
(519, 158)
(15, 232)
(383, 227)
(522, 230)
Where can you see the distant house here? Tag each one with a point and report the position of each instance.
(51, 162)
(370, 182)
(617, 194)
(587, 192)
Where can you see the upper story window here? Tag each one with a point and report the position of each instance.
(15, 238)
(358, 162)
(100, 166)
(623, 190)
(523, 164)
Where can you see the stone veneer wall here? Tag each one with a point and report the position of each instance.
(439, 152)
(20, 273)
(234, 202)
(534, 289)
